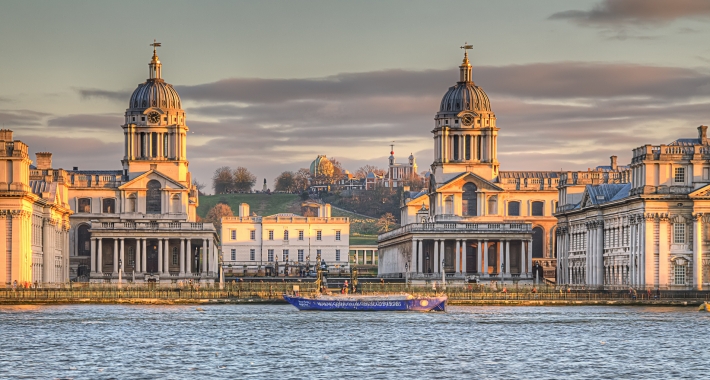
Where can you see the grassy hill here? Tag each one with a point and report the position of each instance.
(362, 228)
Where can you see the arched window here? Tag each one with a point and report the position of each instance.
(83, 241)
(84, 205)
(493, 205)
(514, 208)
(469, 201)
(152, 198)
(538, 239)
(537, 208)
(109, 206)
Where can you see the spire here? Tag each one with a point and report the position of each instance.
(155, 65)
(465, 67)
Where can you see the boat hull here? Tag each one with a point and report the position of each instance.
(422, 304)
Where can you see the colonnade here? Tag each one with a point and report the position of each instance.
(465, 147)
(208, 261)
(161, 144)
(483, 249)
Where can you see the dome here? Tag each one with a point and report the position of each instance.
(321, 166)
(465, 96)
(154, 93)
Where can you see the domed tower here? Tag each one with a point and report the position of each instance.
(465, 133)
(155, 131)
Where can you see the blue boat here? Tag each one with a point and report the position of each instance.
(399, 302)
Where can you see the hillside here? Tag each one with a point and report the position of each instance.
(362, 229)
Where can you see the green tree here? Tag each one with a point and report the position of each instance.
(243, 179)
(222, 180)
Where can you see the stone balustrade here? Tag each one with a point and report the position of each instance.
(438, 227)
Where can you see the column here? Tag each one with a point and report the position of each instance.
(115, 257)
(188, 258)
(166, 259)
(436, 256)
(420, 253)
(204, 255)
(632, 252)
(122, 257)
(501, 252)
(137, 259)
(600, 253)
(99, 257)
(47, 252)
(523, 266)
(464, 248)
(457, 257)
(144, 256)
(485, 257)
(663, 253)
(529, 252)
(182, 257)
(94, 260)
(442, 255)
(160, 256)
(698, 252)
(507, 257)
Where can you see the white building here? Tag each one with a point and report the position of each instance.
(251, 244)
(643, 225)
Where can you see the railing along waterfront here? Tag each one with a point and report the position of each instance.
(456, 226)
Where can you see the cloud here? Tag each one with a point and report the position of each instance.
(616, 13)
(10, 119)
(93, 93)
(87, 122)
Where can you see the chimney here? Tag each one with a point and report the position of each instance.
(243, 210)
(327, 210)
(5, 135)
(614, 166)
(703, 134)
(44, 160)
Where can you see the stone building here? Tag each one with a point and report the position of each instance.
(643, 225)
(473, 220)
(283, 243)
(141, 219)
(34, 217)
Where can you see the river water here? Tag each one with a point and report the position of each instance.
(277, 341)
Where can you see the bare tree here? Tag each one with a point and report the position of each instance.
(386, 222)
(243, 179)
(222, 180)
(216, 213)
(199, 186)
(363, 170)
(286, 181)
(301, 179)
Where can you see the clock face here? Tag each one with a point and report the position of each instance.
(467, 120)
(154, 117)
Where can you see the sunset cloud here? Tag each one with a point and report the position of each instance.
(637, 12)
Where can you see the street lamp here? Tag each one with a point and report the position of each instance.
(120, 267)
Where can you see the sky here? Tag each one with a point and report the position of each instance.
(269, 85)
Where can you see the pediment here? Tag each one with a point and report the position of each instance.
(456, 184)
(141, 182)
(703, 192)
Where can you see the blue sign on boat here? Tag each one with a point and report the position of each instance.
(400, 302)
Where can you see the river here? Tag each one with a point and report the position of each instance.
(277, 341)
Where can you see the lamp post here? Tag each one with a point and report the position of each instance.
(120, 269)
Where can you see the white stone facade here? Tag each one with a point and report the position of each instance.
(285, 243)
(644, 225)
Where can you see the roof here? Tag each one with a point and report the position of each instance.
(686, 142)
(104, 172)
(604, 193)
(526, 174)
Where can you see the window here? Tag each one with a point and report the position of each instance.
(537, 208)
(285, 255)
(285, 235)
(300, 235)
(152, 198)
(679, 233)
(679, 271)
(514, 208)
(233, 234)
(270, 255)
(271, 234)
(131, 257)
(706, 174)
(300, 255)
(337, 255)
(252, 234)
(337, 235)
(252, 254)
(679, 175)
(84, 241)
(468, 200)
(319, 235)
(109, 206)
(84, 205)
(233, 254)
(175, 256)
(318, 252)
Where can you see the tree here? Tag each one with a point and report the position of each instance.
(199, 186)
(363, 170)
(222, 180)
(338, 171)
(216, 213)
(243, 179)
(286, 181)
(386, 222)
(301, 179)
